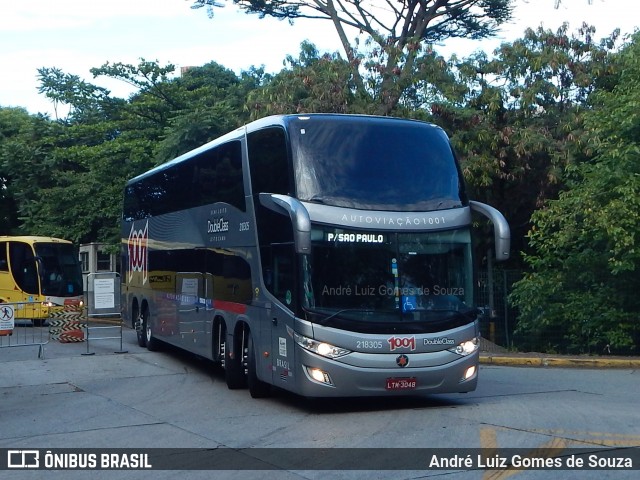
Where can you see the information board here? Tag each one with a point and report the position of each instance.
(103, 294)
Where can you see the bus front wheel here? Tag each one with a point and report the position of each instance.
(149, 339)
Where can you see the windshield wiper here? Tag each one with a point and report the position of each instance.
(317, 199)
(339, 312)
(470, 313)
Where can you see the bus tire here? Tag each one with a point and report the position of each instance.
(218, 343)
(136, 324)
(142, 339)
(150, 341)
(257, 388)
(234, 368)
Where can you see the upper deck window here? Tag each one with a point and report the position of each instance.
(269, 161)
(375, 163)
(212, 176)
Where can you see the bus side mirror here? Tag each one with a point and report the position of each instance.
(299, 215)
(502, 234)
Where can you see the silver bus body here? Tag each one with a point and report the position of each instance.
(318, 254)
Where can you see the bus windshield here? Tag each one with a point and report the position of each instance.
(387, 281)
(60, 273)
(374, 164)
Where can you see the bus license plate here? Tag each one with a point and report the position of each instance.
(408, 383)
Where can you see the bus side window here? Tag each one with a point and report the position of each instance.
(275, 235)
(23, 267)
(229, 276)
(212, 176)
(217, 176)
(279, 276)
(270, 170)
(4, 264)
(268, 161)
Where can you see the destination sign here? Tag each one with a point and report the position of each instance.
(345, 237)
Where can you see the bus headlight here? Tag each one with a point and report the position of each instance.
(321, 348)
(466, 348)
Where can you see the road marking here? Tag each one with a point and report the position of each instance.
(561, 440)
(595, 438)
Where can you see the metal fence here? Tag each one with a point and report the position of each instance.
(18, 332)
(499, 318)
(104, 313)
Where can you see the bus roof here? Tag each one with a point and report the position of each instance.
(271, 120)
(31, 239)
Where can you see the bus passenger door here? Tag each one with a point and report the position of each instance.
(280, 280)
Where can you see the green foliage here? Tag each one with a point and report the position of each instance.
(65, 178)
(310, 83)
(19, 145)
(516, 119)
(583, 284)
(210, 101)
(393, 40)
(83, 99)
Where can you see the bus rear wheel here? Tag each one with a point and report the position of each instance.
(234, 373)
(141, 340)
(138, 324)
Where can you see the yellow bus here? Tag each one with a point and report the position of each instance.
(37, 274)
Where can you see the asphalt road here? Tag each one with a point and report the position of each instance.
(142, 399)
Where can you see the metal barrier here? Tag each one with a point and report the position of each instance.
(103, 294)
(23, 334)
(105, 323)
(67, 324)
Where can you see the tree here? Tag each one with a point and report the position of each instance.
(310, 83)
(557, 3)
(395, 33)
(212, 104)
(581, 292)
(516, 119)
(83, 98)
(20, 148)
(183, 112)
(68, 184)
(65, 177)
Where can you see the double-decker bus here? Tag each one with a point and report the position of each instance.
(37, 274)
(327, 255)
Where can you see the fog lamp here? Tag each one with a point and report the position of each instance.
(469, 372)
(318, 375)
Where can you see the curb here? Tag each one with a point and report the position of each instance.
(542, 361)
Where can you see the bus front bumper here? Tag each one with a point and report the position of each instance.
(323, 377)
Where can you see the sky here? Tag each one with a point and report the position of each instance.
(77, 35)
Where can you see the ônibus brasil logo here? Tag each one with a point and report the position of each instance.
(139, 252)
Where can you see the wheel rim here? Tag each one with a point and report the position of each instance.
(147, 327)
